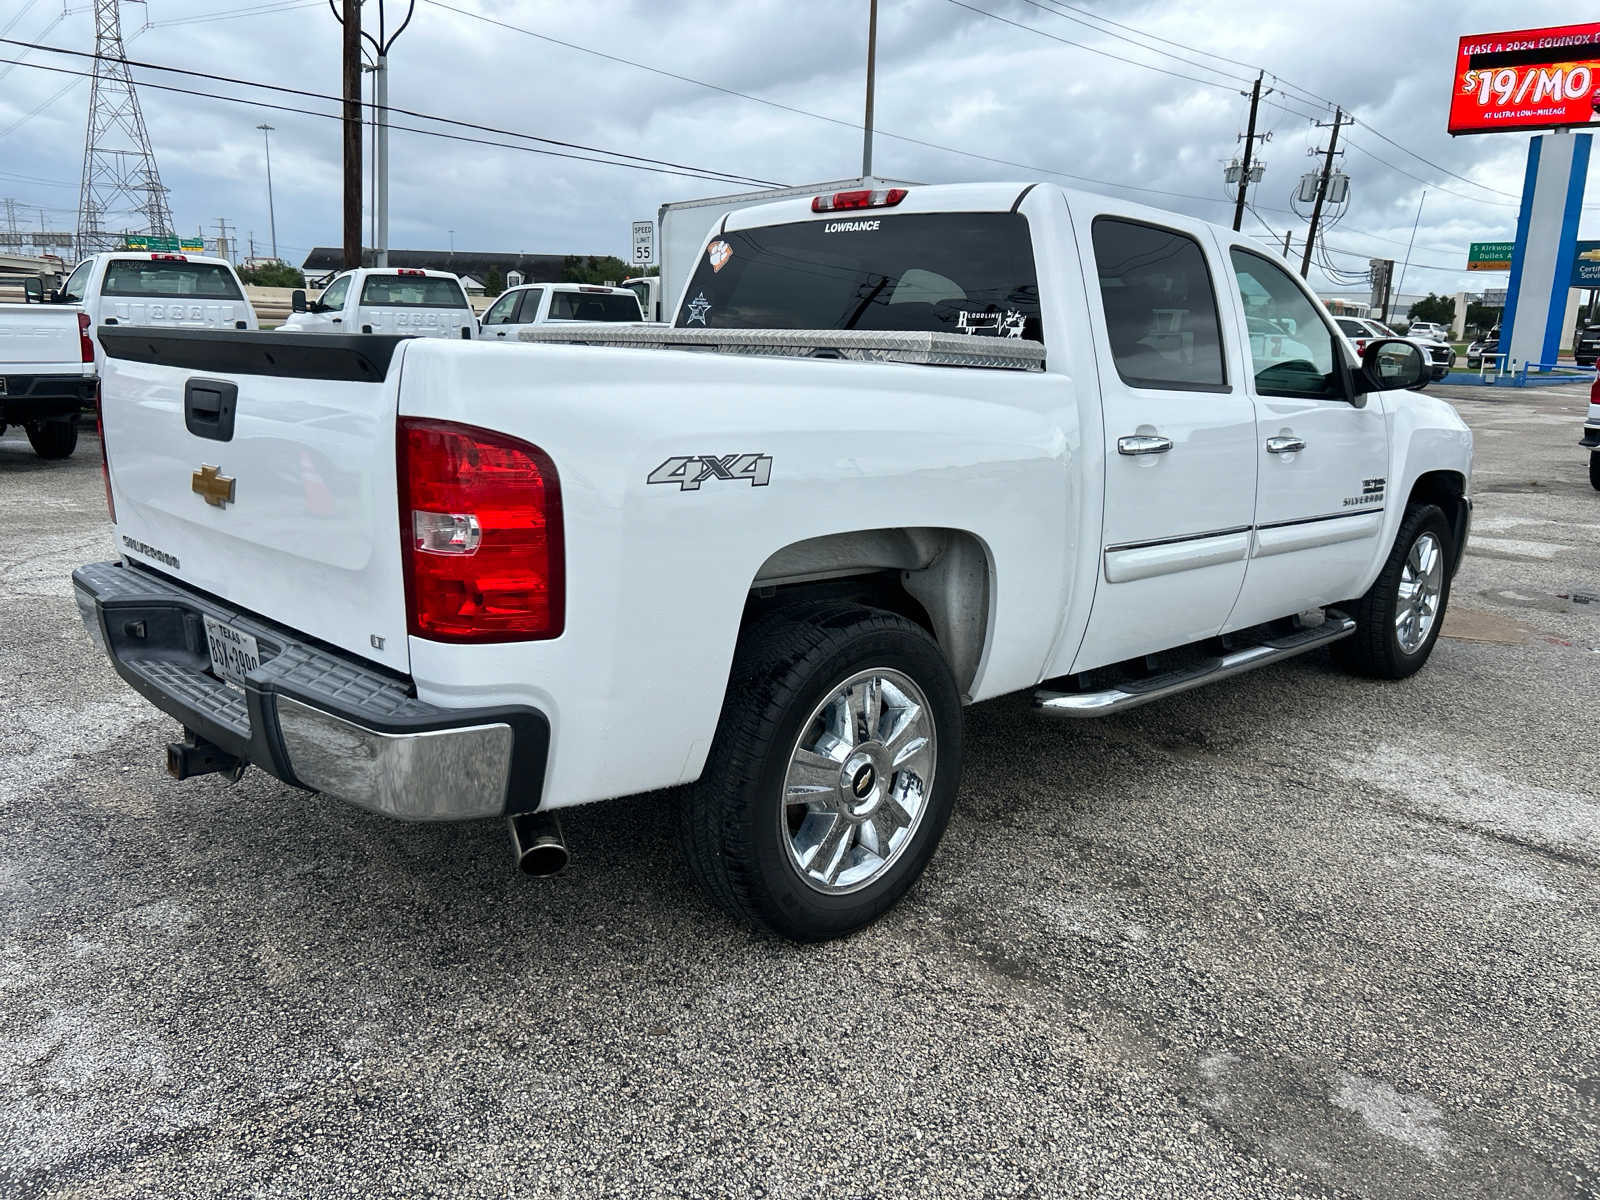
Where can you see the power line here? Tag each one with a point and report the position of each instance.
(456, 137)
(726, 176)
(1053, 10)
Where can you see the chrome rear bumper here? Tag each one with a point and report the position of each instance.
(312, 716)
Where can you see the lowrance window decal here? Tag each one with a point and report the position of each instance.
(850, 226)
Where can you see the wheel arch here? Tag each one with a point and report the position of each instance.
(940, 578)
(1448, 490)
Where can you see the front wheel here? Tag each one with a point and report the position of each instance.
(53, 439)
(832, 774)
(1398, 620)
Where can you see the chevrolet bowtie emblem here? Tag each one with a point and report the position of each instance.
(216, 488)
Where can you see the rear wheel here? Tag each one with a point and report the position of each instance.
(833, 772)
(1594, 468)
(53, 439)
(1398, 620)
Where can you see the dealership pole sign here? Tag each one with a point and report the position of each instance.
(1528, 79)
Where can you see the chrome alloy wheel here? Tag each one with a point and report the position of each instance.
(1417, 601)
(858, 782)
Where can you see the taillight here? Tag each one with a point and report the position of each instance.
(860, 198)
(1594, 392)
(480, 515)
(85, 342)
(105, 463)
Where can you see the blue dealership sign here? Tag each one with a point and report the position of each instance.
(1586, 265)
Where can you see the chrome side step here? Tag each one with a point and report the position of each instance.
(1235, 662)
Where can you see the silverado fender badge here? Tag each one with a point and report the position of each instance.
(216, 488)
(690, 471)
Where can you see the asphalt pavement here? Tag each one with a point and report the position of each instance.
(1297, 934)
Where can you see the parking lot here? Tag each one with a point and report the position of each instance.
(1297, 934)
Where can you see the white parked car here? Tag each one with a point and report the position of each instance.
(395, 300)
(934, 445)
(47, 373)
(533, 304)
(1429, 330)
(1441, 355)
(49, 347)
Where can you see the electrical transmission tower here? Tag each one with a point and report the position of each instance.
(121, 190)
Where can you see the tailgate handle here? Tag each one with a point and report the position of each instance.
(208, 407)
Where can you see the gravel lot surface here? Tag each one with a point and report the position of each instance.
(1297, 934)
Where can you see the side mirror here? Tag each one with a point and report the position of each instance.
(1391, 365)
(297, 300)
(32, 290)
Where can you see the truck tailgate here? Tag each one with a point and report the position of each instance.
(39, 339)
(290, 513)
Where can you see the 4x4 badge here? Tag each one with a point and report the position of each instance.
(216, 488)
(691, 470)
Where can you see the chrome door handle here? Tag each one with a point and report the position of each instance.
(1143, 443)
(1284, 445)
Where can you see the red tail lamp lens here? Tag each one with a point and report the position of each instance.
(480, 515)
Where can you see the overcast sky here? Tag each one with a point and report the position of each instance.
(947, 75)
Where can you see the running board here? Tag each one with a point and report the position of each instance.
(1235, 662)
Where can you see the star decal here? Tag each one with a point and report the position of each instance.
(698, 308)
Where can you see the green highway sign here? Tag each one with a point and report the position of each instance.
(1490, 256)
(165, 245)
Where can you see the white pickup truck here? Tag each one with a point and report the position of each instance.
(47, 374)
(398, 300)
(48, 352)
(928, 447)
(531, 304)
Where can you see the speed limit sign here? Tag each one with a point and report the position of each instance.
(644, 243)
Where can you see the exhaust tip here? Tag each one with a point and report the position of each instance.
(538, 844)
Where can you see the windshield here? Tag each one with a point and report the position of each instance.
(412, 291)
(169, 278)
(592, 306)
(966, 273)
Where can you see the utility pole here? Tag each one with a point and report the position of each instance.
(1286, 235)
(1401, 282)
(352, 133)
(1249, 139)
(222, 238)
(266, 134)
(872, 64)
(1322, 191)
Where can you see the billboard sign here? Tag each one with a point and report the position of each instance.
(1490, 256)
(1586, 266)
(1527, 79)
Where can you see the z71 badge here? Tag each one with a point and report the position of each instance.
(691, 470)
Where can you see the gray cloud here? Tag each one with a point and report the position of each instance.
(946, 75)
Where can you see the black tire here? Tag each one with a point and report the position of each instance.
(732, 822)
(1594, 469)
(1374, 650)
(53, 439)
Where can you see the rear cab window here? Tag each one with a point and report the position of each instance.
(593, 306)
(412, 291)
(172, 279)
(963, 272)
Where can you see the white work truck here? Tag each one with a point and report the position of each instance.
(47, 374)
(905, 450)
(531, 304)
(395, 300)
(48, 346)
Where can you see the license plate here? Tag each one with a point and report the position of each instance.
(233, 652)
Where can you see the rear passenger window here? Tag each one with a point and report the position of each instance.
(1161, 310)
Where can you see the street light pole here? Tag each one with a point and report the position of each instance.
(872, 71)
(272, 218)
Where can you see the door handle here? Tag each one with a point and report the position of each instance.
(338, 320)
(1284, 445)
(1143, 443)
